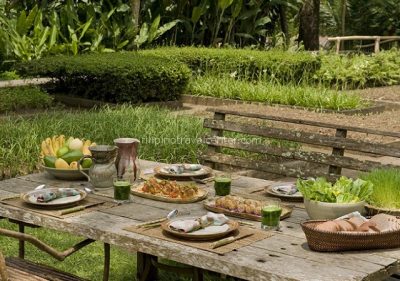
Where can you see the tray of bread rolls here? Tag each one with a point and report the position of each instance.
(241, 207)
(381, 231)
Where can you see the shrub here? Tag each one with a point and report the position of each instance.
(360, 71)
(16, 98)
(8, 75)
(271, 93)
(113, 77)
(249, 64)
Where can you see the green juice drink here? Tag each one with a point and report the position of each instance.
(222, 186)
(270, 217)
(122, 190)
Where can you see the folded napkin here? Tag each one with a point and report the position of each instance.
(288, 189)
(181, 168)
(211, 219)
(45, 196)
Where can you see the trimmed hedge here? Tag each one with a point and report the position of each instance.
(277, 66)
(113, 77)
(17, 98)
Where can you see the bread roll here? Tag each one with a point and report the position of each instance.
(329, 226)
(344, 225)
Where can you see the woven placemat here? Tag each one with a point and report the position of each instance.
(206, 245)
(90, 203)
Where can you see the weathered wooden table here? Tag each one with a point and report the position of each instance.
(284, 256)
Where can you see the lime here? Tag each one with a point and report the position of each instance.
(87, 163)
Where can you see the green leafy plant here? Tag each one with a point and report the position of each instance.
(344, 190)
(148, 34)
(25, 37)
(9, 75)
(359, 71)
(386, 188)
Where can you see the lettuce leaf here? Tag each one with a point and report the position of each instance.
(345, 190)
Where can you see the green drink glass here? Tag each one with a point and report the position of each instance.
(270, 214)
(222, 185)
(122, 189)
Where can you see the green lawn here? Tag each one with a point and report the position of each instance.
(164, 137)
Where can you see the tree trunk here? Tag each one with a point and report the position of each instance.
(309, 24)
(343, 17)
(284, 24)
(135, 6)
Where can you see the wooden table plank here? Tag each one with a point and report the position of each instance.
(297, 247)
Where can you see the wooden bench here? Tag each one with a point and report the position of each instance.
(21, 269)
(307, 151)
(16, 269)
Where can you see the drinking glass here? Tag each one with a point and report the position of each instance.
(270, 214)
(222, 185)
(122, 189)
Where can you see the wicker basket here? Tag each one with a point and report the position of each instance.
(372, 210)
(324, 241)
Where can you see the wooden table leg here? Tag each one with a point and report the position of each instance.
(106, 272)
(21, 246)
(197, 274)
(146, 271)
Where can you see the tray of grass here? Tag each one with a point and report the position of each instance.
(385, 197)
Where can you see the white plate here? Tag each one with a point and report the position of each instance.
(31, 198)
(212, 229)
(273, 189)
(163, 171)
(208, 233)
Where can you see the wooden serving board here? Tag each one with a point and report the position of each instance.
(201, 194)
(210, 205)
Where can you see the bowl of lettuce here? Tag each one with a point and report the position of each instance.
(326, 200)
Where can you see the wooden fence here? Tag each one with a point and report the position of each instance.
(378, 40)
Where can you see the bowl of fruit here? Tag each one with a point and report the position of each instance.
(60, 157)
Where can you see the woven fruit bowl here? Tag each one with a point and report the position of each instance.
(325, 241)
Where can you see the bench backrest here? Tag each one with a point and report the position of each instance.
(333, 158)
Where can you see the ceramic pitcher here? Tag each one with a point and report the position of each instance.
(126, 162)
(103, 170)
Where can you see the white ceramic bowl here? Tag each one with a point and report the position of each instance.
(322, 210)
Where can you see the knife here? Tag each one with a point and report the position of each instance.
(77, 209)
(228, 240)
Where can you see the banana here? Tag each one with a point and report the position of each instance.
(49, 147)
(45, 151)
(61, 140)
(87, 143)
(54, 143)
(93, 144)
